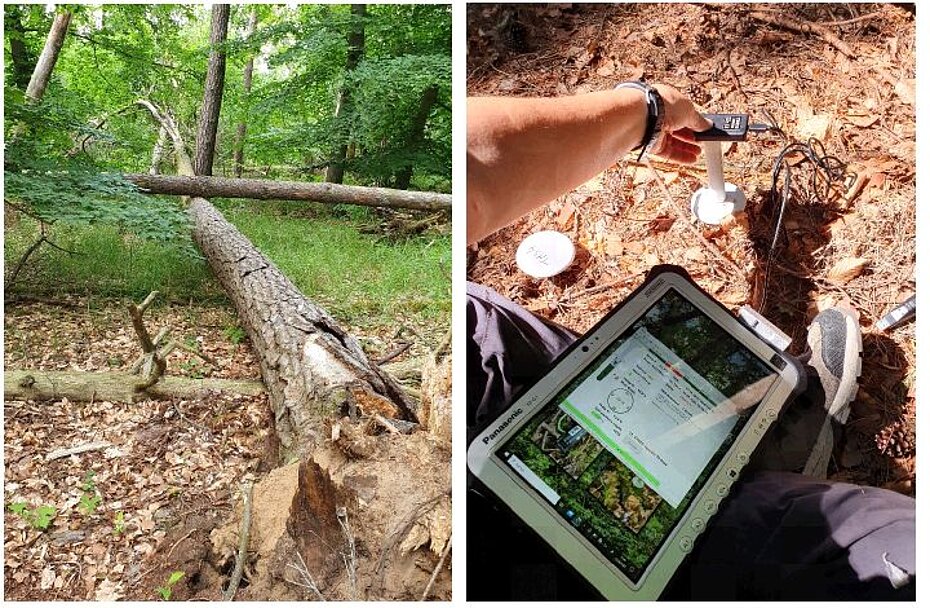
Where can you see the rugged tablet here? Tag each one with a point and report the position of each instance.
(624, 450)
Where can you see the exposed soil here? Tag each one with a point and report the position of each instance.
(168, 483)
(848, 81)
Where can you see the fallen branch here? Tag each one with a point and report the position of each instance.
(307, 582)
(350, 559)
(154, 364)
(394, 353)
(80, 449)
(432, 579)
(42, 385)
(804, 27)
(244, 529)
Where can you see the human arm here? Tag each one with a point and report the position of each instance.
(525, 152)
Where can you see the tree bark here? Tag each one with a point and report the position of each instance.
(159, 150)
(113, 386)
(213, 92)
(311, 367)
(356, 39)
(417, 133)
(259, 189)
(238, 154)
(20, 58)
(43, 70)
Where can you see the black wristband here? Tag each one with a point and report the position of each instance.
(655, 114)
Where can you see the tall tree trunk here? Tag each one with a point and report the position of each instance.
(264, 189)
(356, 39)
(417, 134)
(213, 92)
(43, 70)
(238, 154)
(21, 60)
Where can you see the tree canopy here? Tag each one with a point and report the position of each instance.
(65, 151)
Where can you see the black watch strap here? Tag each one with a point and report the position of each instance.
(655, 117)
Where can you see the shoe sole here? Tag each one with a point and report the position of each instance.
(852, 368)
(819, 461)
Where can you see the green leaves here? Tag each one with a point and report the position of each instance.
(39, 518)
(45, 176)
(165, 590)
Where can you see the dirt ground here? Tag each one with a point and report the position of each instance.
(841, 73)
(153, 501)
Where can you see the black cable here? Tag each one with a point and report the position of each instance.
(834, 171)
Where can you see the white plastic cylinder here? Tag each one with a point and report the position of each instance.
(713, 154)
(718, 199)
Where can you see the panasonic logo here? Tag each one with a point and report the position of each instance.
(503, 425)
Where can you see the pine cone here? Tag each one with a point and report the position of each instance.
(895, 440)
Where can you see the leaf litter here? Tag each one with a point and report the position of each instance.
(128, 515)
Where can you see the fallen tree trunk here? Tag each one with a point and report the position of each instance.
(311, 367)
(113, 386)
(228, 187)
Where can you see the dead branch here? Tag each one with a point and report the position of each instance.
(154, 365)
(350, 559)
(436, 570)
(804, 27)
(394, 353)
(244, 529)
(80, 449)
(307, 582)
(14, 274)
(43, 385)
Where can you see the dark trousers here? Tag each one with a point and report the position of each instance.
(779, 536)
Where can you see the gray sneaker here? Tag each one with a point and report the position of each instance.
(802, 439)
(835, 342)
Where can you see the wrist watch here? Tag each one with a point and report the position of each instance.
(655, 118)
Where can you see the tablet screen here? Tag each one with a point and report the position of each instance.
(623, 449)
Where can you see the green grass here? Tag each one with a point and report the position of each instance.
(105, 264)
(358, 278)
(352, 275)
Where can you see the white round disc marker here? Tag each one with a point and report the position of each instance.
(545, 254)
(707, 206)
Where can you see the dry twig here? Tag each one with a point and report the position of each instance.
(436, 570)
(230, 592)
(804, 27)
(87, 447)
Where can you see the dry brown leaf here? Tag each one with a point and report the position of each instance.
(847, 269)
(905, 89)
(661, 223)
(694, 254)
(635, 247)
(566, 216)
(108, 591)
(862, 120)
(613, 245)
(841, 224)
(47, 579)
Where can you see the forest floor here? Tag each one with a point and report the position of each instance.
(129, 515)
(843, 74)
(152, 502)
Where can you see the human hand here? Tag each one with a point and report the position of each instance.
(682, 119)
